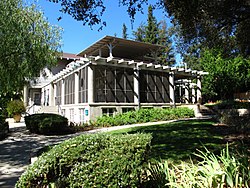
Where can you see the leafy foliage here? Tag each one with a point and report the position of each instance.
(230, 104)
(226, 75)
(226, 169)
(4, 128)
(48, 124)
(28, 43)
(156, 33)
(124, 31)
(143, 116)
(15, 107)
(214, 24)
(98, 160)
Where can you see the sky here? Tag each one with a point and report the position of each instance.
(76, 37)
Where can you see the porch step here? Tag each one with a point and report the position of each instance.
(48, 109)
(205, 111)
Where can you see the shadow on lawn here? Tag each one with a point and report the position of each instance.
(179, 140)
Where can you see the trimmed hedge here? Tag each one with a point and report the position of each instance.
(98, 160)
(48, 124)
(143, 116)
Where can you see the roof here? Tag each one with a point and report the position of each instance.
(69, 56)
(123, 48)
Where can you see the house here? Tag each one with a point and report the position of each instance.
(113, 75)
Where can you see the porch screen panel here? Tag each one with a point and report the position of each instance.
(100, 87)
(114, 84)
(165, 85)
(83, 85)
(70, 89)
(129, 80)
(120, 87)
(110, 84)
(59, 92)
(159, 88)
(154, 87)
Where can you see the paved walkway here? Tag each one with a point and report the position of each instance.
(16, 150)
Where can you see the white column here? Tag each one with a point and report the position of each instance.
(90, 85)
(136, 87)
(55, 99)
(63, 92)
(51, 95)
(25, 95)
(193, 94)
(171, 88)
(76, 110)
(187, 93)
(76, 87)
(199, 97)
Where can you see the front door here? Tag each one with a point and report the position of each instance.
(37, 98)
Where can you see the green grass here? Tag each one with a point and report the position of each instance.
(179, 140)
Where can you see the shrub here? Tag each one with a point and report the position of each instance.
(15, 107)
(48, 124)
(231, 104)
(143, 116)
(225, 170)
(234, 120)
(98, 160)
(4, 128)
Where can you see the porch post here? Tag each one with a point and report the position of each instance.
(76, 87)
(193, 94)
(90, 84)
(63, 92)
(136, 86)
(55, 99)
(25, 95)
(51, 98)
(187, 93)
(199, 97)
(171, 88)
(76, 111)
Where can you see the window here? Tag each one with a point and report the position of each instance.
(108, 111)
(71, 115)
(128, 109)
(81, 114)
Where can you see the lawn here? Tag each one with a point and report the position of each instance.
(179, 140)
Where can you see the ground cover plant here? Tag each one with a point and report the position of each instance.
(228, 169)
(97, 160)
(143, 116)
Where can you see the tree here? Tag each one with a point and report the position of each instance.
(156, 33)
(151, 29)
(226, 75)
(28, 43)
(212, 21)
(139, 34)
(124, 31)
(217, 24)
